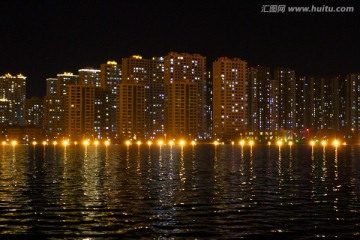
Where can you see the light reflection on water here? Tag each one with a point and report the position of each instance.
(222, 191)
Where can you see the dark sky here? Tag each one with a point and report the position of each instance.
(42, 38)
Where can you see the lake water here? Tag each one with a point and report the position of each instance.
(205, 191)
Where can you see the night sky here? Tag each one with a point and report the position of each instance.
(43, 38)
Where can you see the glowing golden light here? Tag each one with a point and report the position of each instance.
(232, 143)
(138, 143)
(75, 143)
(86, 142)
(14, 143)
(344, 143)
(216, 143)
(279, 143)
(269, 143)
(44, 143)
(251, 143)
(171, 143)
(160, 143)
(242, 142)
(3, 143)
(312, 143)
(336, 143)
(291, 143)
(65, 143)
(107, 143)
(127, 143)
(182, 143)
(193, 143)
(96, 142)
(149, 143)
(34, 143)
(54, 142)
(323, 143)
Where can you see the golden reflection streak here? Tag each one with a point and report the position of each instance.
(324, 169)
(336, 172)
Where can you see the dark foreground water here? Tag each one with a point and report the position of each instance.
(195, 192)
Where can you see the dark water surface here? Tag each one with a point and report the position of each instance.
(183, 193)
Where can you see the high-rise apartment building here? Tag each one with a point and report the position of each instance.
(185, 68)
(150, 74)
(258, 98)
(229, 98)
(353, 101)
(51, 87)
(131, 111)
(102, 113)
(54, 119)
(80, 111)
(136, 69)
(13, 89)
(89, 76)
(284, 86)
(34, 109)
(5, 116)
(156, 99)
(110, 77)
(65, 79)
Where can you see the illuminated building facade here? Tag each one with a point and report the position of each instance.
(110, 77)
(183, 120)
(13, 89)
(89, 76)
(54, 119)
(131, 111)
(353, 102)
(63, 80)
(5, 116)
(149, 73)
(136, 69)
(229, 98)
(284, 99)
(51, 87)
(156, 98)
(34, 109)
(185, 68)
(258, 98)
(80, 111)
(102, 115)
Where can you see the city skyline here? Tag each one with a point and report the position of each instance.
(175, 96)
(43, 39)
